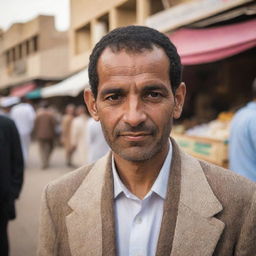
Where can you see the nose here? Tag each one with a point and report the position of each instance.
(134, 113)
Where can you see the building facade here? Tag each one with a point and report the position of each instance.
(90, 20)
(33, 51)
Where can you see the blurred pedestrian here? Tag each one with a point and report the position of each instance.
(45, 130)
(11, 176)
(96, 143)
(242, 141)
(78, 136)
(66, 132)
(6, 104)
(23, 115)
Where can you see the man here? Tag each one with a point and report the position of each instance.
(242, 141)
(23, 115)
(45, 125)
(66, 132)
(11, 177)
(146, 197)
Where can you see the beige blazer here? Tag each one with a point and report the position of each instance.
(216, 212)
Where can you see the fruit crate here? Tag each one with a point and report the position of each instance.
(212, 150)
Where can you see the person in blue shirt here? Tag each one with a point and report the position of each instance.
(242, 141)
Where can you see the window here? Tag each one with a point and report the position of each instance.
(156, 6)
(100, 28)
(13, 54)
(83, 39)
(27, 47)
(8, 57)
(34, 44)
(126, 13)
(19, 51)
(104, 20)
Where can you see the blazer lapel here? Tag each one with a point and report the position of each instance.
(165, 240)
(107, 214)
(84, 224)
(197, 230)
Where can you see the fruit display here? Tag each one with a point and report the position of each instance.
(207, 141)
(216, 129)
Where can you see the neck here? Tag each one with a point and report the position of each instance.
(139, 177)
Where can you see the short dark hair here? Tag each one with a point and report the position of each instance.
(135, 39)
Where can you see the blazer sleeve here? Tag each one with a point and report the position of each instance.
(247, 240)
(17, 163)
(47, 231)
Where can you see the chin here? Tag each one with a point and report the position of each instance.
(137, 154)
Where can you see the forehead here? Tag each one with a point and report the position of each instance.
(124, 63)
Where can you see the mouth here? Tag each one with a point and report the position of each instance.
(138, 136)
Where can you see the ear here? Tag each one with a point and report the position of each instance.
(90, 102)
(179, 99)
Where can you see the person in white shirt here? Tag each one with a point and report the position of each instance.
(24, 115)
(78, 133)
(146, 197)
(6, 104)
(96, 143)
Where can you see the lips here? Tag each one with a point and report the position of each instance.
(135, 136)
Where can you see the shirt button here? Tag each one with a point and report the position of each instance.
(139, 220)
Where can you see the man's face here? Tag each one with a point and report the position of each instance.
(135, 103)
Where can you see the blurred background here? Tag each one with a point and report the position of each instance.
(44, 53)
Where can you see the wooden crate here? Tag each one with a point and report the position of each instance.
(212, 150)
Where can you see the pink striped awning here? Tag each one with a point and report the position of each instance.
(197, 46)
(23, 89)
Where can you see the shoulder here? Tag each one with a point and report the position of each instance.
(228, 185)
(247, 111)
(64, 187)
(6, 122)
(5, 119)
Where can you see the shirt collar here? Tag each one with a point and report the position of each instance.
(159, 186)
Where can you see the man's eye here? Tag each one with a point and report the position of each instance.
(113, 97)
(153, 95)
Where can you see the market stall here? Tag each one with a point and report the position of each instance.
(208, 141)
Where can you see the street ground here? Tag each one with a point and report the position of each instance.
(23, 231)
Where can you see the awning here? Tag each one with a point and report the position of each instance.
(36, 94)
(247, 10)
(71, 86)
(197, 46)
(22, 90)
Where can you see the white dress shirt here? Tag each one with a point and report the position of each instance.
(138, 221)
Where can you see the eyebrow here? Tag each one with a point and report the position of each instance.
(111, 91)
(155, 87)
(145, 89)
